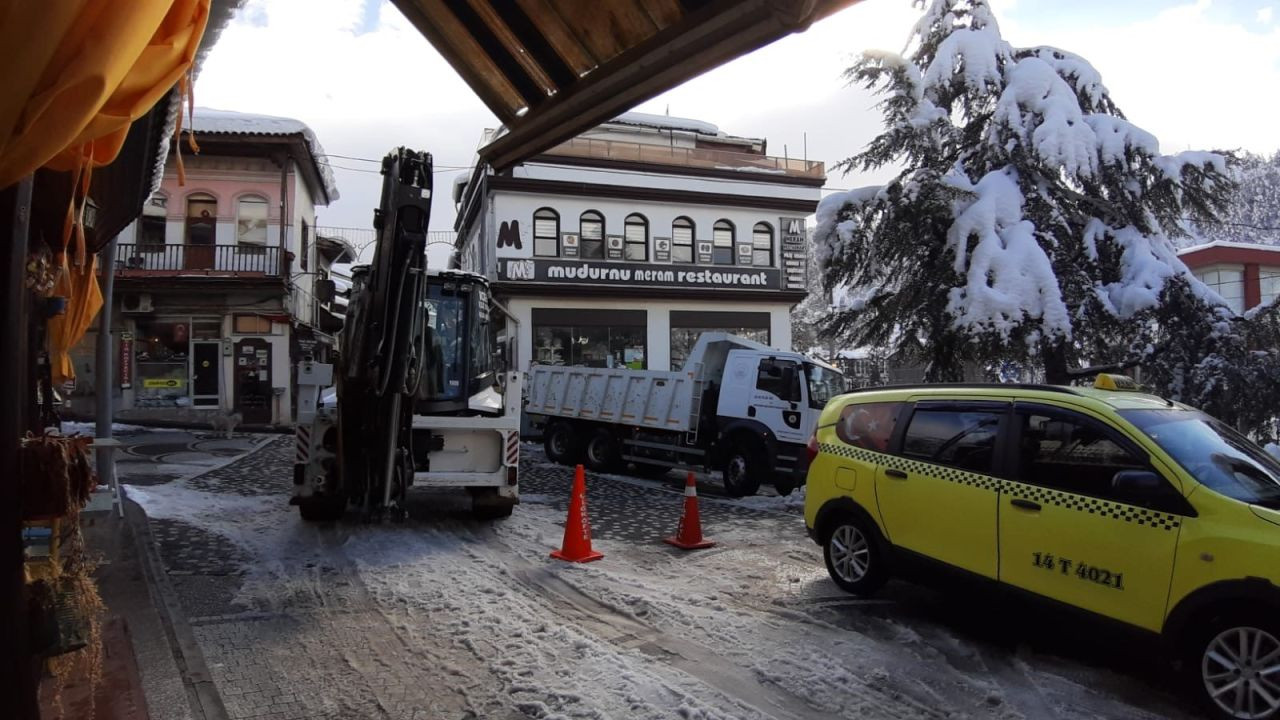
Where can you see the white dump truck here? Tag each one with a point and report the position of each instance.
(736, 406)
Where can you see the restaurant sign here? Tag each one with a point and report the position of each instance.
(716, 277)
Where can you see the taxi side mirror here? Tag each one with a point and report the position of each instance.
(1137, 483)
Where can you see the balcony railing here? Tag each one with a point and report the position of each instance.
(202, 260)
(745, 163)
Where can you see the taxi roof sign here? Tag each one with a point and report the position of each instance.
(1113, 381)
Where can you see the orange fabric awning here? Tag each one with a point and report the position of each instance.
(79, 72)
(84, 300)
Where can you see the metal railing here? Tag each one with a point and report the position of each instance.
(361, 239)
(746, 163)
(185, 259)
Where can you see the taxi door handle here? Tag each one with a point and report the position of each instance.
(1025, 504)
(897, 474)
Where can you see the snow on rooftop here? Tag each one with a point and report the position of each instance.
(230, 122)
(1229, 244)
(667, 122)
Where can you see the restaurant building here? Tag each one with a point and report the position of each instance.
(620, 246)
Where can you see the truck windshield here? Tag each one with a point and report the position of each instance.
(1215, 454)
(824, 384)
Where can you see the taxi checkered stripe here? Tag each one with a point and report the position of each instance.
(1034, 493)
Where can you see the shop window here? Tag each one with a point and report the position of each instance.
(591, 338)
(1269, 284)
(591, 230)
(688, 325)
(1229, 283)
(202, 219)
(546, 233)
(682, 232)
(637, 237)
(160, 350)
(762, 245)
(722, 243)
(251, 221)
(251, 325)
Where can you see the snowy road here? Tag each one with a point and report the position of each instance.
(446, 617)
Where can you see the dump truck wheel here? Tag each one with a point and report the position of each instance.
(603, 453)
(562, 443)
(322, 509)
(741, 470)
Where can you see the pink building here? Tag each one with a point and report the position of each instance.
(216, 287)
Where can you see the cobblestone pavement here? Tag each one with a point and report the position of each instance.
(447, 617)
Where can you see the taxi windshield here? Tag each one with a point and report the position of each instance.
(824, 384)
(1215, 454)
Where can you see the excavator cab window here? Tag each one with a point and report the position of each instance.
(454, 337)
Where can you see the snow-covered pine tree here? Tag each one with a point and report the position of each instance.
(1253, 215)
(1030, 222)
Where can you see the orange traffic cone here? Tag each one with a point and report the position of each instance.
(577, 529)
(689, 532)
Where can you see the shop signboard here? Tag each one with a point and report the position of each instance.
(126, 361)
(794, 251)
(163, 383)
(614, 247)
(569, 245)
(662, 249)
(612, 274)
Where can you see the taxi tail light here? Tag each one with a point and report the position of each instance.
(812, 447)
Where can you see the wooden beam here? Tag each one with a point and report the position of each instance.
(538, 48)
(567, 45)
(451, 40)
(503, 50)
(719, 32)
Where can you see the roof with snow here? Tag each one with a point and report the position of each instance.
(208, 121)
(1231, 245)
(666, 122)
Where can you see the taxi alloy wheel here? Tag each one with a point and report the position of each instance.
(853, 557)
(1240, 669)
(850, 553)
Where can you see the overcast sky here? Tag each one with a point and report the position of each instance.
(1199, 75)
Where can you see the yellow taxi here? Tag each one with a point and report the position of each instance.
(1106, 499)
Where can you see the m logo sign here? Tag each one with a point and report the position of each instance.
(520, 270)
(795, 226)
(509, 234)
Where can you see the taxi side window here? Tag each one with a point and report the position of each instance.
(964, 439)
(868, 425)
(1075, 455)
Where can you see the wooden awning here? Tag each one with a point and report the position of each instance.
(550, 69)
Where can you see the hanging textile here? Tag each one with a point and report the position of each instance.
(89, 69)
(79, 285)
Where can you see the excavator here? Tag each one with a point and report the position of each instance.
(423, 397)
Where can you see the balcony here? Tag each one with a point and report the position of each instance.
(702, 158)
(232, 261)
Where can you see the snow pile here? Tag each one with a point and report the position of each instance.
(72, 427)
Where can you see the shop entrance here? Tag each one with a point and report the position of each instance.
(204, 373)
(253, 380)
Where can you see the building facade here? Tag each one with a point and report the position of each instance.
(219, 285)
(1244, 274)
(619, 247)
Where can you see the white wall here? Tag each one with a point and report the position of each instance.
(658, 315)
(754, 184)
(521, 206)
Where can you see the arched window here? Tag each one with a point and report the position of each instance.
(202, 219)
(546, 233)
(251, 220)
(591, 230)
(762, 245)
(637, 237)
(722, 243)
(682, 232)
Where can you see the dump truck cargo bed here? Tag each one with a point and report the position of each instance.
(655, 399)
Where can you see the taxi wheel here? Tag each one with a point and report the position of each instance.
(854, 558)
(1235, 661)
